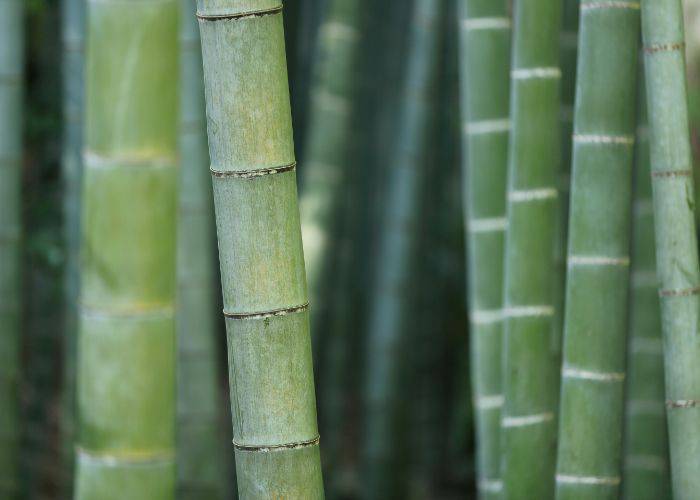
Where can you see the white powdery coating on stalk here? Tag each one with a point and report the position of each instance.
(486, 23)
(339, 31)
(490, 486)
(530, 73)
(622, 140)
(481, 127)
(588, 480)
(526, 420)
(492, 402)
(528, 311)
(488, 225)
(486, 316)
(578, 373)
(519, 196)
(597, 260)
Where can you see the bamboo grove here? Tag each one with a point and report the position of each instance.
(421, 249)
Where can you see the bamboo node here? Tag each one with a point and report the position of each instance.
(624, 140)
(497, 126)
(682, 403)
(267, 314)
(666, 174)
(597, 260)
(527, 420)
(588, 480)
(530, 73)
(492, 402)
(664, 47)
(486, 23)
(250, 174)
(277, 447)
(528, 311)
(609, 5)
(487, 225)
(490, 485)
(240, 15)
(517, 196)
(486, 316)
(680, 292)
(158, 458)
(580, 374)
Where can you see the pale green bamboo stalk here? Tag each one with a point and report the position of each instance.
(201, 471)
(260, 250)
(484, 64)
(676, 238)
(390, 314)
(645, 461)
(11, 92)
(530, 377)
(595, 323)
(126, 371)
(73, 24)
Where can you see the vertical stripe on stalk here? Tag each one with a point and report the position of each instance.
(260, 250)
(676, 238)
(645, 459)
(11, 76)
(590, 442)
(126, 344)
(530, 371)
(484, 76)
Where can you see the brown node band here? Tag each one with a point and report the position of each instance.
(267, 314)
(664, 47)
(278, 447)
(250, 174)
(239, 15)
(683, 292)
(671, 173)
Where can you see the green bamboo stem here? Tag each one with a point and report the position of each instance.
(530, 373)
(260, 250)
(485, 63)
(389, 317)
(676, 239)
(126, 371)
(645, 461)
(11, 76)
(327, 150)
(201, 471)
(73, 23)
(595, 323)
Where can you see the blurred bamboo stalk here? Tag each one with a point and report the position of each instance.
(200, 451)
(531, 350)
(73, 34)
(645, 461)
(11, 120)
(260, 249)
(485, 63)
(676, 238)
(392, 297)
(126, 362)
(595, 323)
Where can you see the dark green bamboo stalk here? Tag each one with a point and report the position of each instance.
(73, 23)
(645, 462)
(327, 151)
(595, 326)
(126, 371)
(392, 298)
(11, 67)
(201, 472)
(676, 238)
(530, 382)
(485, 63)
(260, 249)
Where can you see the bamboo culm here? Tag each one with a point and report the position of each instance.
(531, 352)
(126, 346)
(73, 34)
(388, 322)
(676, 238)
(645, 460)
(595, 323)
(260, 250)
(484, 65)
(200, 450)
(11, 91)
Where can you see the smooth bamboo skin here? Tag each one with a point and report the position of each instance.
(485, 83)
(389, 320)
(595, 322)
(326, 151)
(260, 249)
(73, 34)
(201, 472)
(530, 377)
(11, 75)
(645, 460)
(126, 350)
(676, 239)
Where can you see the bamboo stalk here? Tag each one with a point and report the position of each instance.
(73, 23)
(126, 371)
(645, 461)
(260, 249)
(593, 372)
(676, 239)
(11, 77)
(201, 471)
(388, 321)
(484, 64)
(530, 346)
